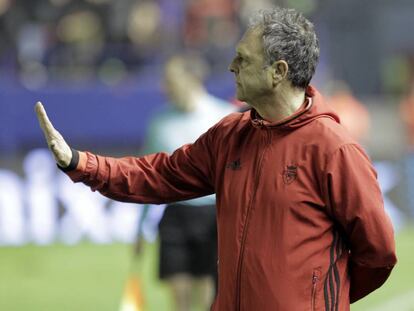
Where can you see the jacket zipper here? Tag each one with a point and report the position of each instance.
(315, 279)
(244, 235)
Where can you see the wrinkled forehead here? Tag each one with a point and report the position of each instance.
(251, 44)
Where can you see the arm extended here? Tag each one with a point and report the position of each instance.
(156, 178)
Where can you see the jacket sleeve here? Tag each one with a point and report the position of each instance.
(155, 178)
(356, 204)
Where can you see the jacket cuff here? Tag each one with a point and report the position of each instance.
(365, 280)
(73, 162)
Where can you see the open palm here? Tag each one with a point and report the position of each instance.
(60, 149)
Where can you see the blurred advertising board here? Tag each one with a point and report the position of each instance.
(45, 206)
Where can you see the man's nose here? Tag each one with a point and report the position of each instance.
(232, 67)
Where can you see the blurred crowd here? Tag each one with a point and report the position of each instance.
(49, 41)
(72, 40)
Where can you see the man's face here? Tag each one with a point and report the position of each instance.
(252, 78)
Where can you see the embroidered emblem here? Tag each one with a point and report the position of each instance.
(290, 174)
(234, 165)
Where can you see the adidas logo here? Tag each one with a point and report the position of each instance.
(234, 165)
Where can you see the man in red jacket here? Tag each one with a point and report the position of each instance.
(301, 223)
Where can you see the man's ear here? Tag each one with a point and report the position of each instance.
(280, 70)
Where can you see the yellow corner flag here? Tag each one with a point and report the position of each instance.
(132, 299)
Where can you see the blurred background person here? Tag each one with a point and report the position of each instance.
(187, 230)
(211, 26)
(354, 115)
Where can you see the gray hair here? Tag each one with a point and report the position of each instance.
(289, 36)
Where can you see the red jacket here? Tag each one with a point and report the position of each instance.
(301, 223)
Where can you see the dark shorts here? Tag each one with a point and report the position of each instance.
(188, 236)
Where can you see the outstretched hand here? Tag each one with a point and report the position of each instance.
(60, 149)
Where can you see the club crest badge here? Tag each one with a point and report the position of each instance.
(290, 174)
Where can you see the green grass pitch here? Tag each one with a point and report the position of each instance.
(91, 277)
